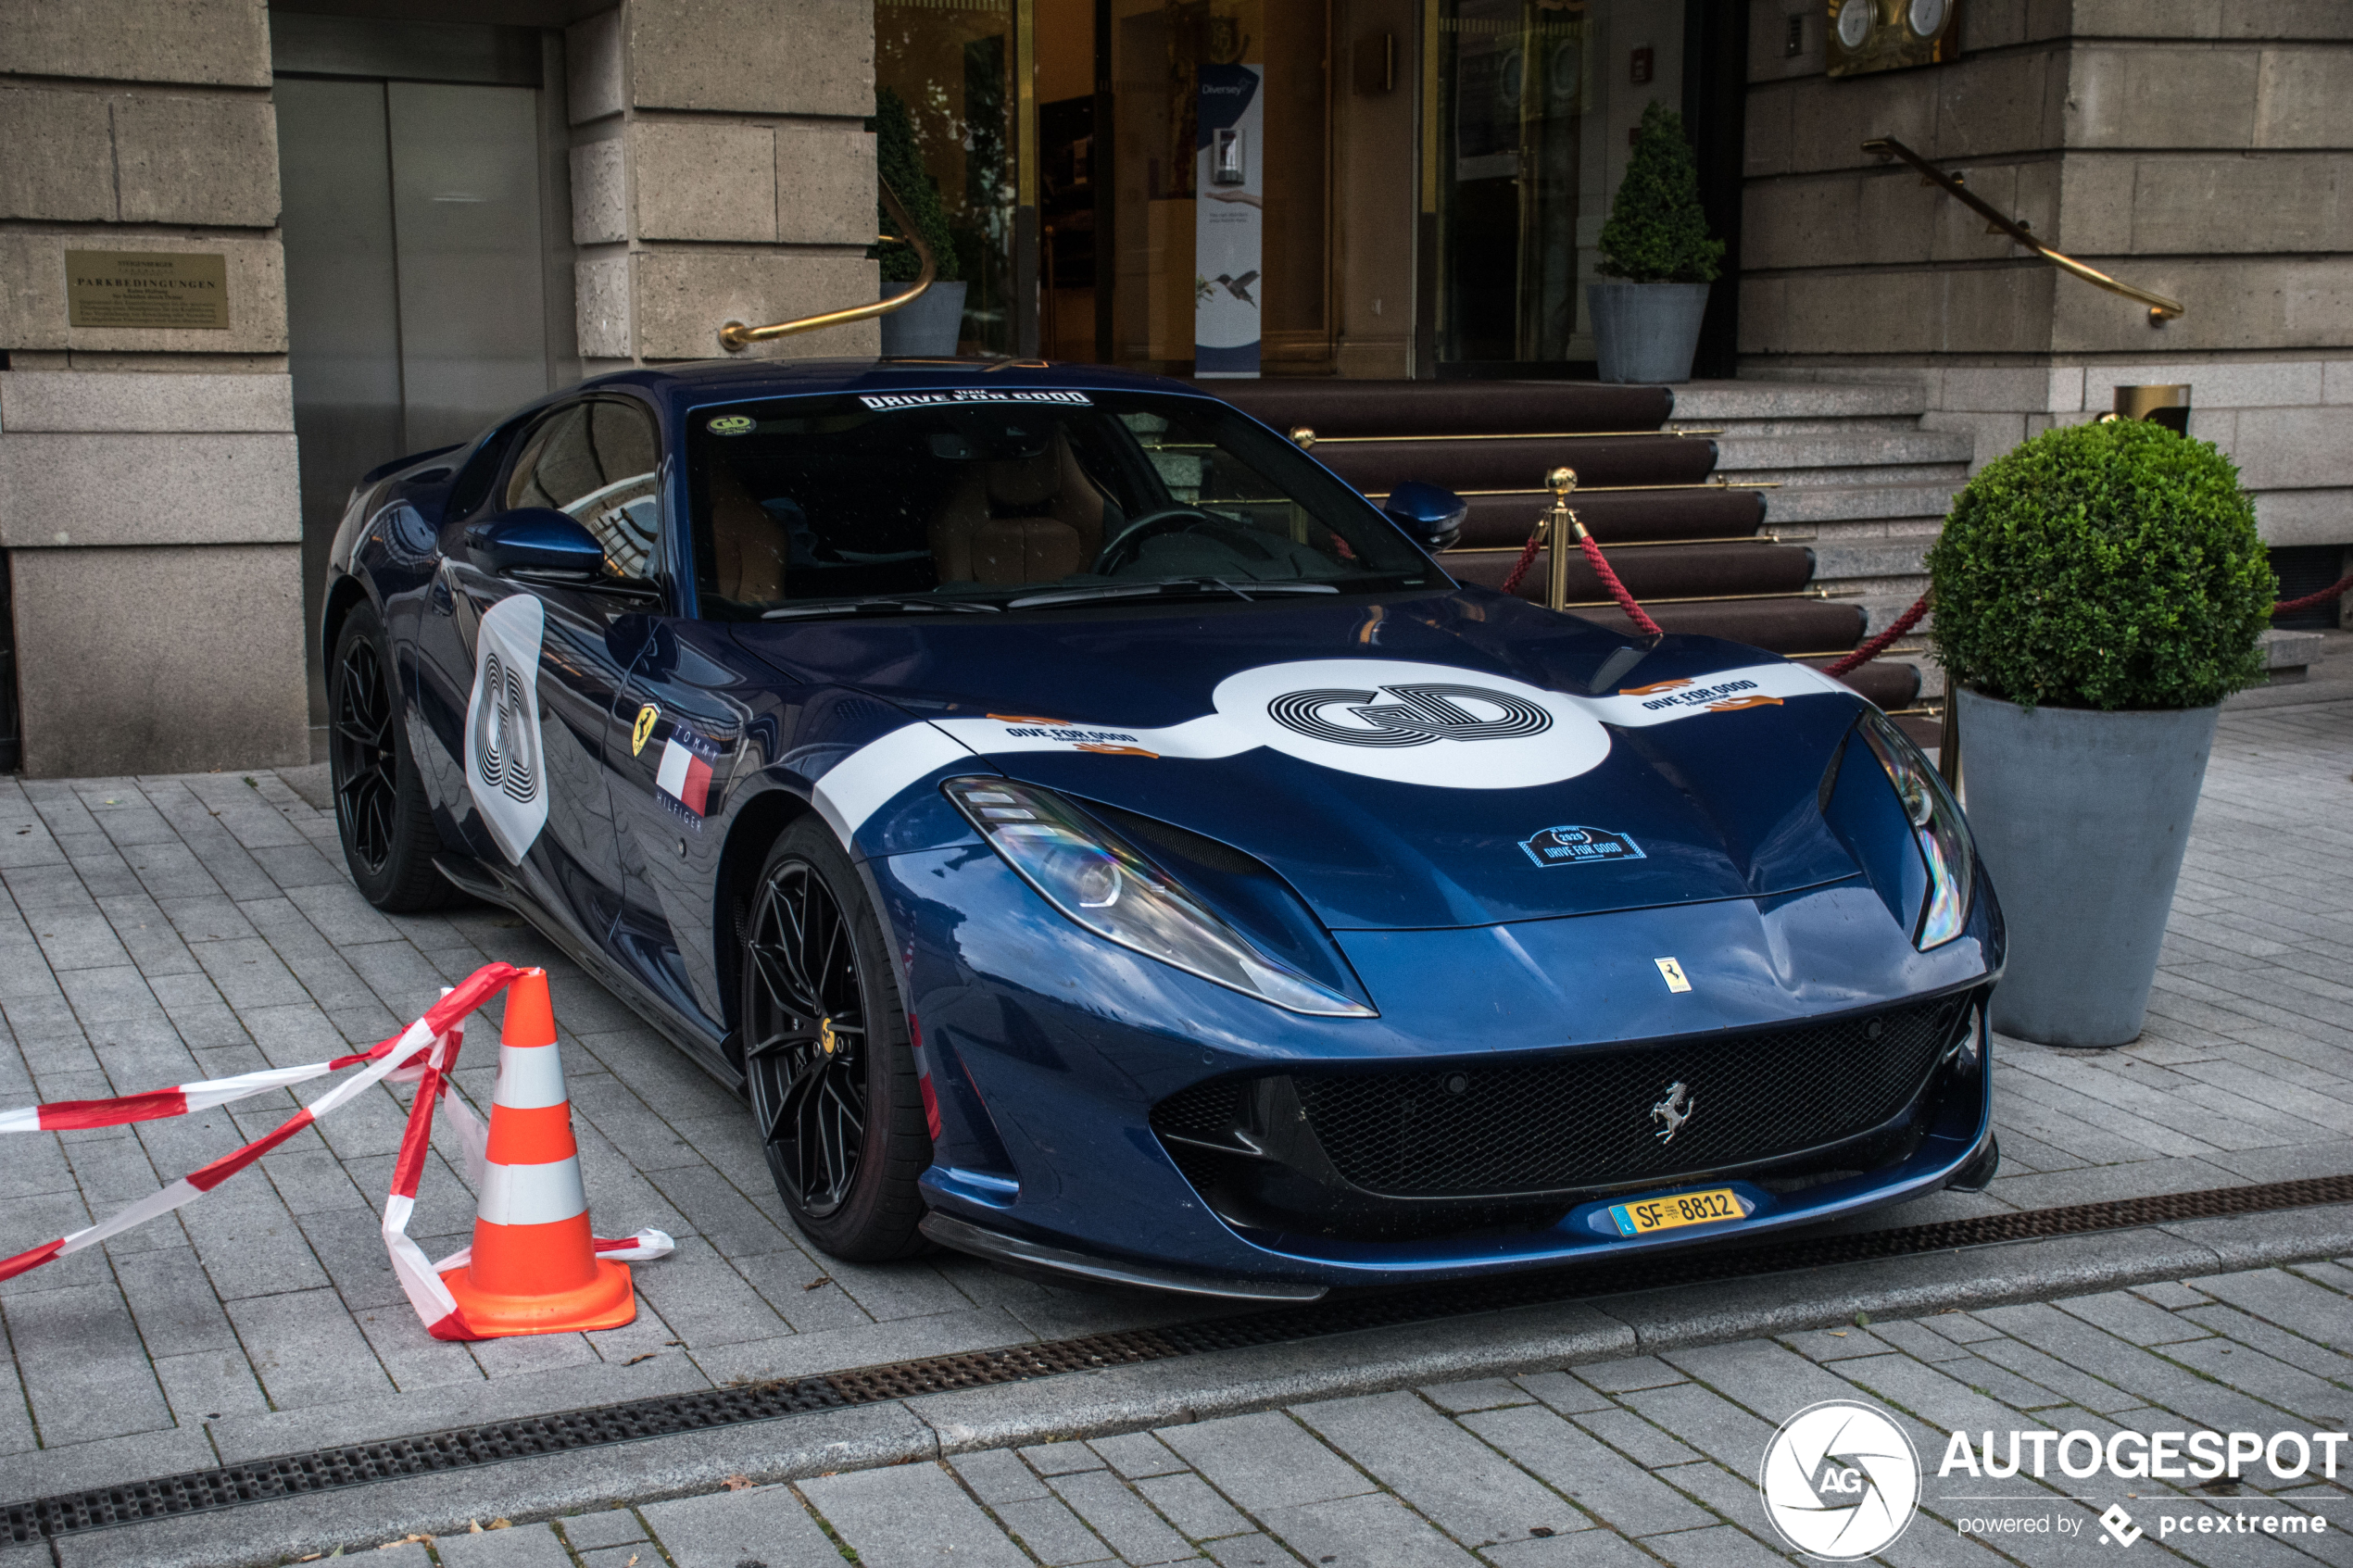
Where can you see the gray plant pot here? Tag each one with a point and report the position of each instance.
(1646, 333)
(2081, 819)
(926, 329)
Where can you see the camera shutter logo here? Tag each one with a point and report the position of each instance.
(1417, 716)
(505, 770)
(1839, 1480)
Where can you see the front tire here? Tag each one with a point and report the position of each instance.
(825, 1050)
(381, 813)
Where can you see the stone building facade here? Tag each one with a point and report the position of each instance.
(2202, 149)
(167, 490)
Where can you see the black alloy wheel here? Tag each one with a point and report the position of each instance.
(825, 1050)
(382, 814)
(364, 762)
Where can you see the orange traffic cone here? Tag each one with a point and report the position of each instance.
(534, 1268)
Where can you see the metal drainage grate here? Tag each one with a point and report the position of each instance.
(465, 1447)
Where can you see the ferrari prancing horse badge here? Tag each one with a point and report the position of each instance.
(644, 729)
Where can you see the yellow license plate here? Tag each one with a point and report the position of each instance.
(1646, 1216)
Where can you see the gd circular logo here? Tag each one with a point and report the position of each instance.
(1414, 723)
(1839, 1480)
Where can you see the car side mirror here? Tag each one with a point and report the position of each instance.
(537, 539)
(1432, 514)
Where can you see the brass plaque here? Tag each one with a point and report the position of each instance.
(1869, 35)
(156, 289)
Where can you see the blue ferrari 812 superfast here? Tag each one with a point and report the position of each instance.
(1090, 834)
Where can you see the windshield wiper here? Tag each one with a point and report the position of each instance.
(1249, 590)
(893, 602)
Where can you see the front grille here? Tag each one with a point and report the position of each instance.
(1585, 1120)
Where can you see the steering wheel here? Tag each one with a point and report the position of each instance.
(1123, 547)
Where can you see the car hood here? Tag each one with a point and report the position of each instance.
(1446, 761)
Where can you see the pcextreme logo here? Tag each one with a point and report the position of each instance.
(1839, 1480)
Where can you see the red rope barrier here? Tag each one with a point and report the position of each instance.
(2335, 590)
(1880, 644)
(1526, 554)
(1634, 613)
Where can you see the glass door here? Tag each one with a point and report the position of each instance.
(1532, 106)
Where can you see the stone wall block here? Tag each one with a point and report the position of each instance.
(74, 491)
(55, 159)
(32, 295)
(2336, 385)
(196, 160)
(201, 666)
(1992, 24)
(2287, 19)
(825, 184)
(1863, 313)
(704, 180)
(2122, 95)
(1896, 219)
(1830, 121)
(2001, 310)
(2204, 205)
(1986, 388)
(600, 306)
(1765, 144)
(2234, 304)
(1803, 223)
(1991, 106)
(2214, 384)
(595, 74)
(2305, 98)
(2293, 448)
(2095, 204)
(682, 298)
(1764, 318)
(2304, 517)
(753, 57)
(143, 400)
(216, 42)
(2148, 19)
(600, 193)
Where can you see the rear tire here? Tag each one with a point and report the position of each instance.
(382, 814)
(831, 1072)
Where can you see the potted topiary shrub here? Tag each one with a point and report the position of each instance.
(1647, 326)
(925, 328)
(2098, 591)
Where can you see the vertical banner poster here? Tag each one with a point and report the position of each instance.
(1230, 188)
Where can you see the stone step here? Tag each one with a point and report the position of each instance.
(1712, 402)
(1952, 476)
(1746, 456)
(1844, 562)
(1872, 423)
(1798, 505)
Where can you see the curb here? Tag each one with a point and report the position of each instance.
(1204, 1386)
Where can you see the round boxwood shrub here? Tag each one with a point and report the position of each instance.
(2107, 566)
(1657, 231)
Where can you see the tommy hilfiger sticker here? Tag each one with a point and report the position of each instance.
(1579, 847)
(683, 778)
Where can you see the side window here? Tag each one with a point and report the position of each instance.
(598, 461)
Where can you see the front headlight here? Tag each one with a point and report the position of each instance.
(1106, 885)
(1936, 827)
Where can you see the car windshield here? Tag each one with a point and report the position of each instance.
(1015, 499)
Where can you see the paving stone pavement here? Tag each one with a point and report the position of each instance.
(1621, 1463)
(159, 930)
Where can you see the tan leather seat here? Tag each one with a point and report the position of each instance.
(1020, 519)
(748, 549)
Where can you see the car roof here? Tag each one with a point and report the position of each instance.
(736, 380)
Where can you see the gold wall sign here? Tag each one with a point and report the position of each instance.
(1869, 35)
(155, 289)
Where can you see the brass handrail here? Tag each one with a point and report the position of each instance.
(735, 338)
(2161, 309)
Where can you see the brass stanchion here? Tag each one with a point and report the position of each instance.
(1559, 540)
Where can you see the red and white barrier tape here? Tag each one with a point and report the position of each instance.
(435, 1038)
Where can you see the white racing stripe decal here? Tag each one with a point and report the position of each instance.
(1412, 723)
